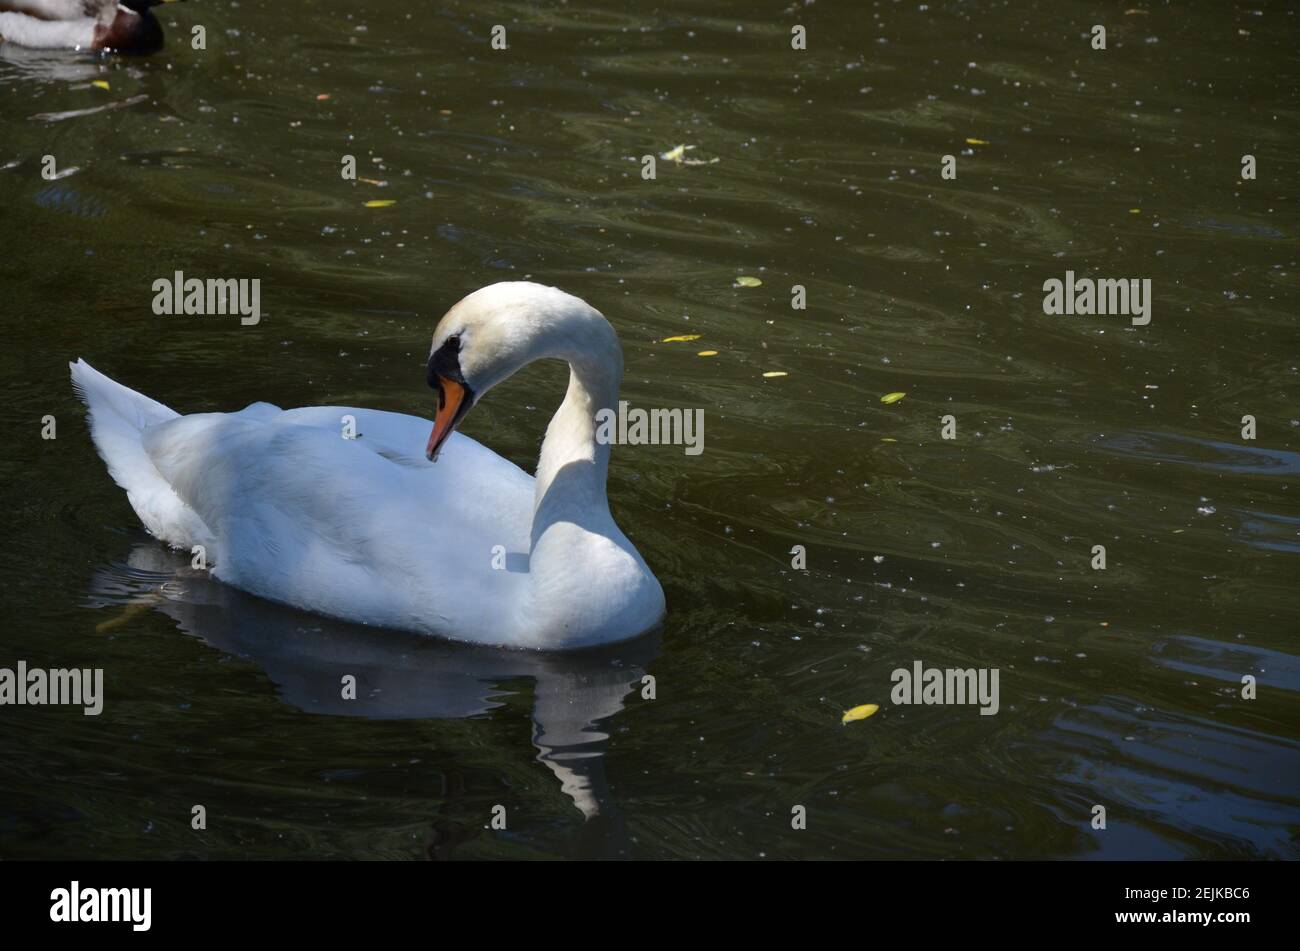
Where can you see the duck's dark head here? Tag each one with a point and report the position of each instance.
(133, 30)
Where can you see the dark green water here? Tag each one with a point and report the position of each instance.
(1119, 687)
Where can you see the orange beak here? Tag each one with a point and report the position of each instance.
(453, 402)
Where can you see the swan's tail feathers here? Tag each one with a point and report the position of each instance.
(104, 397)
(118, 419)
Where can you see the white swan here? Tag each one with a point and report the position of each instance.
(370, 529)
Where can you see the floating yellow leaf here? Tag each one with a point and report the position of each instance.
(748, 282)
(381, 202)
(976, 142)
(707, 353)
(892, 397)
(678, 154)
(682, 338)
(100, 83)
(128, 612)
(860, 712)
(771, 373)
(1135, 211)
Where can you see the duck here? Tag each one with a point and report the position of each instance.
(118, 26)
(395, 521)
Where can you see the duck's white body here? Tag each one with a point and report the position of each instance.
(80, 25)
(367, 529)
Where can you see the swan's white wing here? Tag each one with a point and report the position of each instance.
(360, 528)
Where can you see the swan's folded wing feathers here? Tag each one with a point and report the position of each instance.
(297, 508)
(293, 508)
(260, 410)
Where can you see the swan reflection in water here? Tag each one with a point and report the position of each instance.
(404, 676)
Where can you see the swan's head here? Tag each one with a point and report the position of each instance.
(498, 329)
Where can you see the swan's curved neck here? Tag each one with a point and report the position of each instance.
(573, 464)
(586, 582)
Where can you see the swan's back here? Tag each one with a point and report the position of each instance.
(361, 528)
